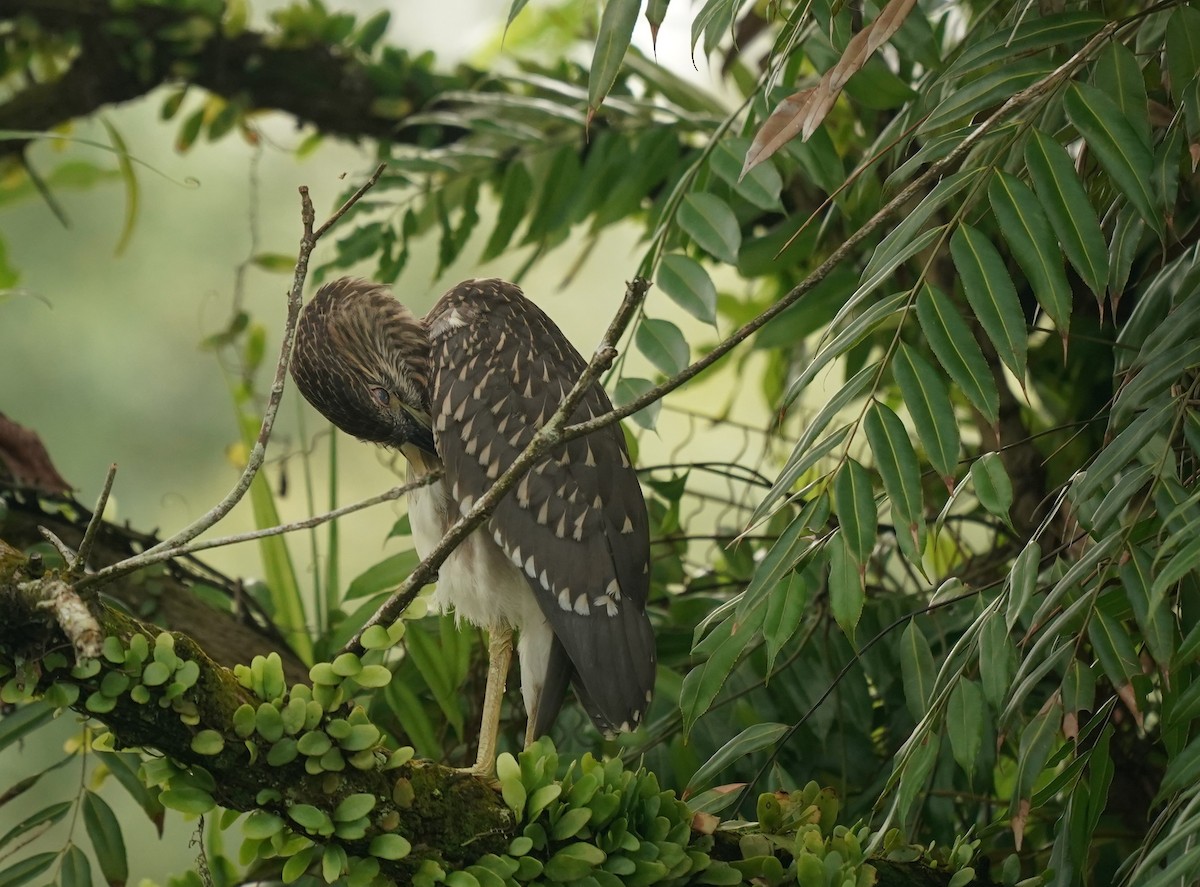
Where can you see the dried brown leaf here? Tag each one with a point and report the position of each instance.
(802, 112)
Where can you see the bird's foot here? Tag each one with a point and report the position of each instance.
(484, 772)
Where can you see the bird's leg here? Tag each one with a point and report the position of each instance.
(499, 657)
(530, 736)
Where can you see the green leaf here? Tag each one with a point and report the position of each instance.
(855, 504)
(23, 721)
(1183, 52)
(386, 574)
(75, 869)
(107, 841)
(990, 89)
(689, 286)
(663, 344)
(129, 179)
(27, 869)
(928, 403)
(786, 608)
(847, 593)
(956, 349)
(1118, 76)
(1027, 230)
(901, 473)
(916, 669)
(514, 200)
(390, 847)
(629, 389)
(997, 660)
(1022, 581)
(616, 30)
(992, 295)
(656, 11)
(752, 739)
(992, 485)
(1036, 740)
(47, 815)
(709, 221)
(760, 187)
(1114, 648)
(1066, 204)
(964, 723)
(1122, 153)
(1156, 623)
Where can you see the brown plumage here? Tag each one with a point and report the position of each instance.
(564, 558)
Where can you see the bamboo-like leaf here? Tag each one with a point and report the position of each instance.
(992, 485)
(107, 841)
(1033, 244)
(754, 738)
(1022, 581)
(844, 340)
(1117, 144)
(897, 246)
(1183, 51)
(709, 221)
(928, 403)
(1066, 204)
(988, 90)
(956, 349)
(855, 504)
(1026, 37)
(1126, 238)
(129, 178)
(1118, 76)
(786, 608)
(663, 344)
(656, 11)
(997, 660)
(793, 544)
(901, 473)
(124, 766)
(917, 670)
(437, 671)
(964, 723)
(1036, 741)
(1137, 577)
(1114, 648)
(616, 30)
(847, 594)
(1122, 449)
(388, 573)
(689, 286)
(992, 296)
(713, 21)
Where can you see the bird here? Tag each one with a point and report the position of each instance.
(564, 559)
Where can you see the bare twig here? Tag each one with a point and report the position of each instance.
(308, 242)
(79, 565)
(63, 549)
(547, 437)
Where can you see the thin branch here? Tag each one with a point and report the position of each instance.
(156, 557)
(89, 535)
(63, 549)
(934, 172)
(308, 242)
(547, 437)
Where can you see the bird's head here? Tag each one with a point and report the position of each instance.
(362, 359)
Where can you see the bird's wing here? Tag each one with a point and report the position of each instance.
(576, 523)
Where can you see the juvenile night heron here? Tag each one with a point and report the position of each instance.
(564, 558)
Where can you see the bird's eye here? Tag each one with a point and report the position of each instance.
(381, 396)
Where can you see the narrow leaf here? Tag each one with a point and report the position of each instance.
(1029, 235)
(917, 670)
(616, 30)
(964, 723)
(1121, 151)
(855, 503)
(847, 593)
(107, 841)
(752, 739)
(928, 403)
(1066, 204)
(957, 350)
(901, 473)
(992, 485)
(992, 295)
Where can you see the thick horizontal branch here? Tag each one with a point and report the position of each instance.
(125, 55)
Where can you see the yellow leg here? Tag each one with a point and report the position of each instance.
(530, 739)
(499, 657)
